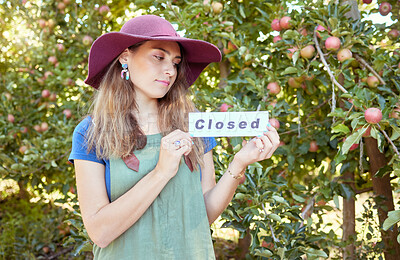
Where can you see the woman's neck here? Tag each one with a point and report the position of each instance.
(147, 117)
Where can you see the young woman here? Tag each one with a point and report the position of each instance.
(146, 188)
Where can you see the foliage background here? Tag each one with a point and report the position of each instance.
(283, 202)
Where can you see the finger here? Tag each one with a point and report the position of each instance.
(258, 143)
(271, 146)
(185, 149)
(264, 153)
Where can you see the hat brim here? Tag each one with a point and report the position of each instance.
(110, 45)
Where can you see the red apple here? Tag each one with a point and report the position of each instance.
(37, 128)
(24, 130)
(267, 245)
(385, 8)
(332, 43)
(291, 52)
(303, 32)
(87, 40)
(217, 7)
(353, 147)
(367, 1)
(273, 103)
(8, 96)
(320, 28)
(51, 23)
(284, 22)
(53, 97)
(274, 88)
(52, 59)
(275, 123)
(313, 146)
(44, 126)
(275, 25)
(42, 23)
(231, 46)
(292, 82)
(344, 54)
(277, 38)
(45, 93)
(67, 113)
(61, 5)
(46, 249)
(372, 81)
(48, 74)
(10, 118)
(373, 115)
(307, 52)
(60, 47)
(224, 107)
(104, 9)
(23, 149)
(243, 179)
(395, 113)
(367, 132)
(393, 34)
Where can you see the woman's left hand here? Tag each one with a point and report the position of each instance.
(258, 148)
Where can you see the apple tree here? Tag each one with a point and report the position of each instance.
(327, 75)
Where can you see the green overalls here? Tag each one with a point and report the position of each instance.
(175, 226)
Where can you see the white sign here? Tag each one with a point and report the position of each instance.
(217, 124)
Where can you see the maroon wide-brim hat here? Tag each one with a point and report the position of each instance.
(142, 28)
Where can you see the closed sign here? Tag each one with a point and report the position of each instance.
(218, 124)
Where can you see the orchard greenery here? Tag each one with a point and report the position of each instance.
(318, 67)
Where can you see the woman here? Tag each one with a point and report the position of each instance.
(146, 188)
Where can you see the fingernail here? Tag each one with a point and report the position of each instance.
(266, 131)
(192, 142)
(191, 135)
(259, 135)
(269, 124)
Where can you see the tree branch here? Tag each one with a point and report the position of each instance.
(321, 55)
(363, 62)
(390, 141)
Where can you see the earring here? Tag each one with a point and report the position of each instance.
(125, 71)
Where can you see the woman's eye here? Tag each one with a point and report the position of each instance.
(158, 57)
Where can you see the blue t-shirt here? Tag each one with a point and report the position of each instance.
(79, 149)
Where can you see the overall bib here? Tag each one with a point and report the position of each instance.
(175, 226)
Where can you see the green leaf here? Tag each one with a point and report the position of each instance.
(241, 11)
(289, 70)
(340, 128)
(336, 200)
(275, 217)
(395, 133)
(316, 252)
(279, 199)
(298, 198)
(393, 218)
(264, 253)
(352, 139)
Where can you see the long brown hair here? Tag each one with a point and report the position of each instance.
(115, 131)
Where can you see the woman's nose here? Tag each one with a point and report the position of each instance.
(170, 69)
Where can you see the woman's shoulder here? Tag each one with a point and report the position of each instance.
(83, 126)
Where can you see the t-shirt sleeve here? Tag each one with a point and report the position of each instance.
(209, 144)
(79, 144)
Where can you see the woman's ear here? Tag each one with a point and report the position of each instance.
(123, 57)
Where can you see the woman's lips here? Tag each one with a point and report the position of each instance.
(164, 82)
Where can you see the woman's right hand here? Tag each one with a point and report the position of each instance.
(173, 146)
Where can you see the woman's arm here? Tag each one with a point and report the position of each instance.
(217, 196)
(105, 221)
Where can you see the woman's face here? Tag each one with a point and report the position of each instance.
(153, 68)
